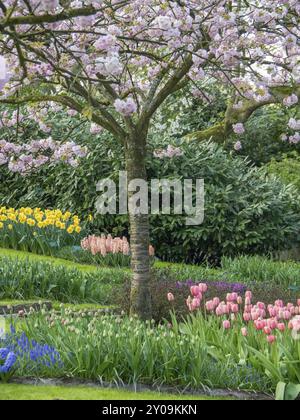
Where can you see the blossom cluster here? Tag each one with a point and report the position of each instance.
(7, 361)
(104, 245)
(131, 44)
(20, 351)
(170, 152)
(27, 157)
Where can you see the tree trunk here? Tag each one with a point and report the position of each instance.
(139, 231)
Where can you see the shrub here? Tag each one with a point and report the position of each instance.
(245, 211)
(287, 168)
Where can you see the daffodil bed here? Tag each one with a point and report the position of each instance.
(40, 231)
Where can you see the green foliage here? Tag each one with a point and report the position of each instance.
(25, 279)
(287, 392)
(121, 349)
(245, 211)
(261, 141)
(261, 269)
(287, 168)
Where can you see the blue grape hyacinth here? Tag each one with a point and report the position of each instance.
(8, 360)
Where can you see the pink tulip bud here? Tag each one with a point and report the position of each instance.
(279, 303)
(203, 287)
(271, 339)
(195, 290)
(261, 305)
(216, 301)
(240, 300)
(259, 325)
(287, 315)
(247, 317)
(248, 295)
(196, 302)
(210, 306)
(281, 327)
(219, 311)
(234, 308)
(267, 330)
(170, 297)
(272, 323)
(244, 332)
(247, 301)
(226, 325)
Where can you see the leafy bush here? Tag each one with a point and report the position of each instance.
(287, 168)
(24, 279)
(245, 211)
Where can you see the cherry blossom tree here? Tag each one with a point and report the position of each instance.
(116, 62)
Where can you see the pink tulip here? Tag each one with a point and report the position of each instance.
(247, 317)
(244, 332)
(196, 302)
(279, 303)
(240, 300)
(195, 290)
(267, 330)
(226, 325)
(281, 327)
(234, 308)
(272, 323)
(298, 302)
(287, 315)
(170, 297)
(210, 306)
(219, 311)
(248, 295)
(247, 301)
(203, 287)
(259, 325)
(271, 339)
(216, 301)
(261, 305)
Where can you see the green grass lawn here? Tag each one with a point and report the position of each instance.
(30, 392)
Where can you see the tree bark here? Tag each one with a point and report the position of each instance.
(140, 304)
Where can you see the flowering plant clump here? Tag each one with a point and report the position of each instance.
(26, 357)
(107, 248)
(271, 319)
(7, 363)
(37, 230)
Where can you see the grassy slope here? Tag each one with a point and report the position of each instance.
(29, 392)
(11, 253)
(182, 270)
